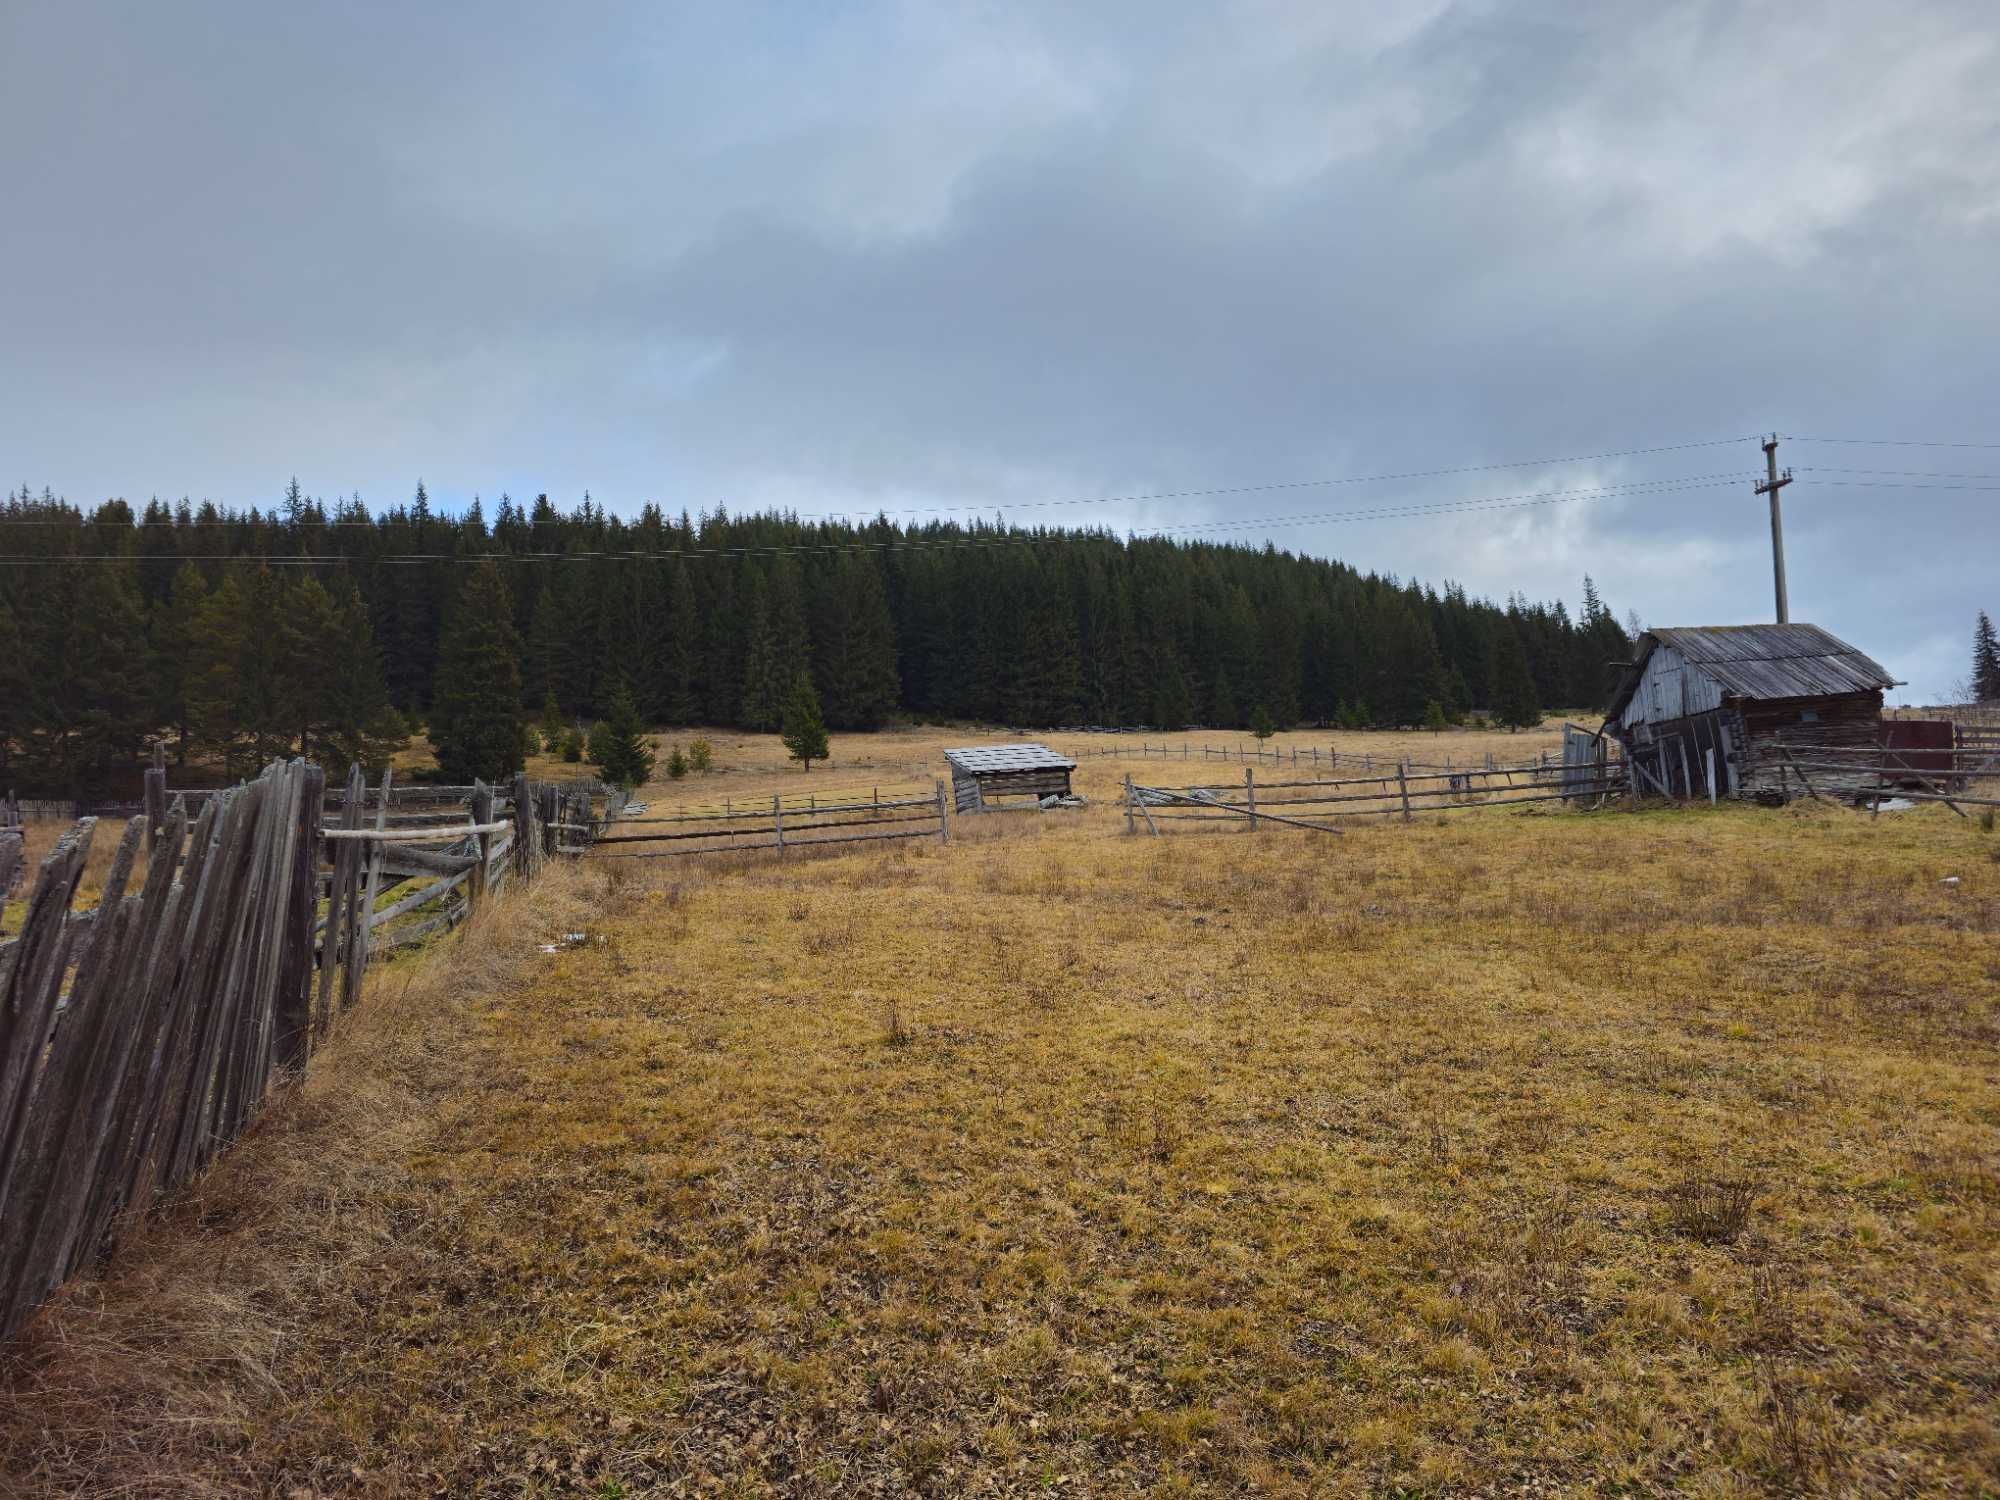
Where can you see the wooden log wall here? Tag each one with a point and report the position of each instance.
(137, 1040)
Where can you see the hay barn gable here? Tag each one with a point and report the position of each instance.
(983, 772)
(1745, 695)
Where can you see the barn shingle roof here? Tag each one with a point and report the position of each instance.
(1762, 662)
(977, 760)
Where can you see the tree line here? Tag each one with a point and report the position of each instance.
(332, 628)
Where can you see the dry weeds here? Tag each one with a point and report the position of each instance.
(1639, 1153)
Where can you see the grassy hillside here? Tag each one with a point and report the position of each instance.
(1524, 1152)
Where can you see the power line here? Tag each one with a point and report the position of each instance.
(1905, 473)
(1888, 442)
(1637, 489)
(1236, 489)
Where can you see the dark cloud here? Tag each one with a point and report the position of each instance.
(930, 255)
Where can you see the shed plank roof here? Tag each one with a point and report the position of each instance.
(1761, 662)
(977, 760)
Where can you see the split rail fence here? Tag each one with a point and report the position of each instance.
(1964, 775)
(1304, 755)
(138, 1038)
(1399, 792)
(805, 821)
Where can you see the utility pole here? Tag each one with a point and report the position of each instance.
(1771, 485)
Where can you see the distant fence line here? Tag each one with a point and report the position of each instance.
(138, 1039)
(1393, 793)
(741, 827)
(1303, 755)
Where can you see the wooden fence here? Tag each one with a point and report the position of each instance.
(1967, 775)
(740, 827)
(138, 1038)
(1305, 755)
(1399, 792)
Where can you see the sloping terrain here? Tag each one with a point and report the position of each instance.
(1516, 1153)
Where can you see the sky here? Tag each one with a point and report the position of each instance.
(979, 258)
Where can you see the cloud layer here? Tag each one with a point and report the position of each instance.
(972, 256)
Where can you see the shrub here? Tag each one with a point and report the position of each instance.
(572, 746)
(700, 756)
(677, 763)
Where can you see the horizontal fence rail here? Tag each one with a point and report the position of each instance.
(1393, 794)
(139, 1038)
(741, 828)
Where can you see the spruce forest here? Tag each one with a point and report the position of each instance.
(333, 630)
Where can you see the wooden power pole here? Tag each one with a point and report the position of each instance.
(1773, 482)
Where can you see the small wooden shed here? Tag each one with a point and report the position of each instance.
(982, 773)
(1746, 700)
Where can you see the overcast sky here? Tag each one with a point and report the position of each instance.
(840, 257)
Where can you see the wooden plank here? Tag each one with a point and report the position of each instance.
(422, 896)
(358, 951)
(292, 1019)
(385, 835)
(29, 989)
(42, 1201)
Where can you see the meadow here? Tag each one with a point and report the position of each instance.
(1520, 1152)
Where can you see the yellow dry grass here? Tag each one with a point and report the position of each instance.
(1512, 1152)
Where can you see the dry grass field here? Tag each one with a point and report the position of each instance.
(1520, 1152)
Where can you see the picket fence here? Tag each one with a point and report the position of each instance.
(137, 1039)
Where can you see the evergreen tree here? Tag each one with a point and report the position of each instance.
(1516, 706)
(680, 652)
(804, 732)
(1985, 660)
(13, 691)
(175, 620)
(763, 705)
(356, 724)
(553, 726)
(1222, 705)
(475, 719)
(87, 707)
(1173, 706)
(1260, 722)
(622, 754)
(1434, 719)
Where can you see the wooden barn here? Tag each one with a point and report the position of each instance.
(982, 773)
(1742, 704)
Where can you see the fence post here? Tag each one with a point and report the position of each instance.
(482, 814)
(156, 795)
(1128, 803)
(367, 911)
(1250, 793)
(778, 822)
(1403, 785)
(944, 830)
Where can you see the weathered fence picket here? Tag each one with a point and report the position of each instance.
(139, 1039)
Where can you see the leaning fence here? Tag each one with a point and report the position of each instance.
(835, 816)
(1397, 792)
(139, 1037)
(1966, 774)
(1310, 756)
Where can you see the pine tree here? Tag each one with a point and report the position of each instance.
(13, 691)
(1260, 722)
(804, 732)
(1434, 719)
(621, 753)
(1517, 706)
(1222, 705)
(553, 727)
(356, 724)
(763, 705)
(1985, 660)
(1173, 706)
(478, 704)
(172, 630)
